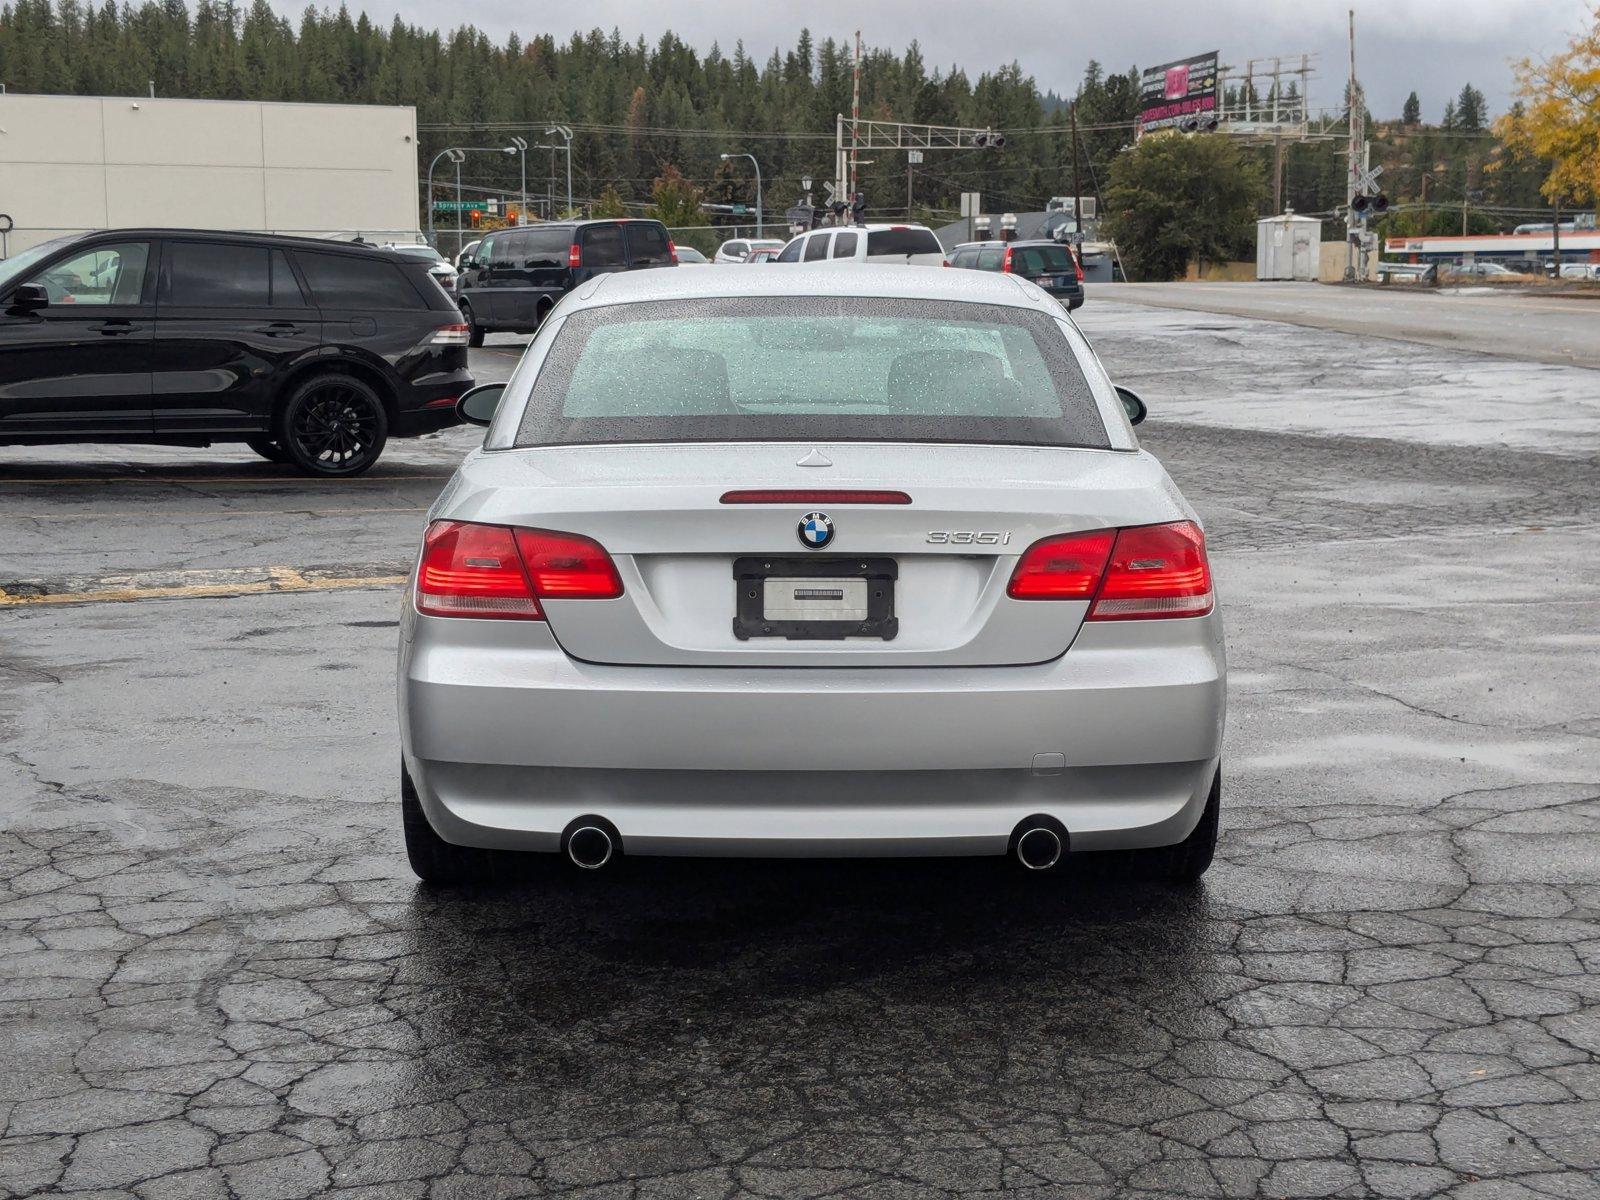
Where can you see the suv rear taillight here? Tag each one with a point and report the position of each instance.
(1077, 264)
(1133, 574)
(1006, 264)
(574, 255)
(450, 335)
(672, 252)
(495, 572)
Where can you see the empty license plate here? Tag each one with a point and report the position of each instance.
(822, 599)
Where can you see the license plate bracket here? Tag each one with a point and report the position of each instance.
(751, 576)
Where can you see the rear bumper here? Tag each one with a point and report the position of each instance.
(507, 740)
(422, 406)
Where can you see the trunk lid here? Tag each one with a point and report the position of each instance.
(658, 511)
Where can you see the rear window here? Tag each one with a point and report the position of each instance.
(902, 241)
(1039, 260)
(345, 281)
(647, 244)
(811, 368)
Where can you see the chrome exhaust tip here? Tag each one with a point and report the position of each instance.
(590, 846)
(1039, 844)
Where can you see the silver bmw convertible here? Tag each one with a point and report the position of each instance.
(813, 561)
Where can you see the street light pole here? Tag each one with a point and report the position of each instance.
(757, 166)
(566, 136)
(522, 159)
(453, 153)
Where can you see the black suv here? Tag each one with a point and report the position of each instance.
(515, 276)
(311, 352)
(1051, 265)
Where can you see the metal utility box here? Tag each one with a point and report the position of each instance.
(1288, 247)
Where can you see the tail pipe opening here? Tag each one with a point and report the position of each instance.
(591, 843)
(1039, 842)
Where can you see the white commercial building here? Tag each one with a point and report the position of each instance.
(74, 163)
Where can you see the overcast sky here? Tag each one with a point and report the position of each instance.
(1433, 46)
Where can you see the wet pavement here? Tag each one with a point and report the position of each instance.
(218, 978)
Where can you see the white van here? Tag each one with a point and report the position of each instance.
(910, 245)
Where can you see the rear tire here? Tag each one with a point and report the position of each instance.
(268, 449)
(333, 425)
(1189, 859)
(433, 859)
(474, 330)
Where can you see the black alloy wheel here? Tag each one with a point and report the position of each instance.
(333, 425)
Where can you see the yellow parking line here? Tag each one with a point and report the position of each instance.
(111, 513)
(196, 584)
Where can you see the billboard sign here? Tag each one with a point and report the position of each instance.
(1173, 92)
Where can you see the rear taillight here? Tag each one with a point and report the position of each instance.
(1006, 265)
(1077, 265)
(574, 255)
(495, 572)
(1069, 567)
(473, 571)
(672, 252)
(450, 335)
(1156, 571)
(1127, 574)
(565, 566)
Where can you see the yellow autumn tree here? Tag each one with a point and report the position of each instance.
(1559, 117)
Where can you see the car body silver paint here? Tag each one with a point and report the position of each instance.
(649, 712)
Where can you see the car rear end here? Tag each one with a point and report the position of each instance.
(427, 348)
(1051, 266)
(840, 574)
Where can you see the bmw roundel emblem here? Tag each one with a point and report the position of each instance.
(815, 530)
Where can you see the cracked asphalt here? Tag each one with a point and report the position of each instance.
(218, 978)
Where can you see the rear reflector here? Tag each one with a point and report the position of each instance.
(1156, 571)
(1069, 567)
(815, 497)
(499, 573)
(473, 571)
(1129, 574)
(450, 335)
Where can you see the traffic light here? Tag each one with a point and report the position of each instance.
(1380, 204)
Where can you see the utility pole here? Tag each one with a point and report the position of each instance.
(1556, 231)
(1354, 155)
(1077, 191)
(1277, 172)
(855, 120)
